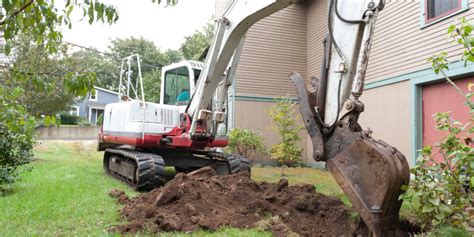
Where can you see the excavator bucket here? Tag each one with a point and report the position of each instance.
(371, 173)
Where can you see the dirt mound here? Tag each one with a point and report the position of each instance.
(202, 200)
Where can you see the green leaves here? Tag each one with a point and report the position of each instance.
(287, 127)
(194, 45)
(246, 142)
(42, 20)
(17, 137)
(442, 189)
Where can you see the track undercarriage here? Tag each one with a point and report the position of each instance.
(145, 170)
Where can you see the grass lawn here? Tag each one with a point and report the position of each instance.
(66, 193)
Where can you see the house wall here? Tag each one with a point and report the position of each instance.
(316, 29)
(400, 43)
(274, 47)
(387, 114)
(102, 98)
(105, 97)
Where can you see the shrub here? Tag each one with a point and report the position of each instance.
(246, 143)
(440, 190)
(69, 119)
(16, 137)
(286, 126)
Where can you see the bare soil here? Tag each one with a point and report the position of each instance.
(202, 200)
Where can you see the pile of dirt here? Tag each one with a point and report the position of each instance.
(202, 200)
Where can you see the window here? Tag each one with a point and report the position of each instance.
(435, 10)
(74, 110)
(93, 97)
(177, 86)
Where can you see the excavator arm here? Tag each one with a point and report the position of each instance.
(369, 171)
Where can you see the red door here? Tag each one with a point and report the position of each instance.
(442, 97)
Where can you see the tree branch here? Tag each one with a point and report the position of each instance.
(454, 85)
(17, 12)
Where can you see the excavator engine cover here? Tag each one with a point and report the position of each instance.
(372, 173)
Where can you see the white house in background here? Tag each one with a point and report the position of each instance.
(92, 106)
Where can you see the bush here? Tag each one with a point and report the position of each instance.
(246, 143)
(440, 190)
(286, 126)
(16, 137)
(68, 119)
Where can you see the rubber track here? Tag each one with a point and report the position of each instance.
(151, 169)
(236, 163)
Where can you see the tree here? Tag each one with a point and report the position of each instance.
(151, 62)
(195, 44)
(105, 67)
(44, 76)
(286, 126)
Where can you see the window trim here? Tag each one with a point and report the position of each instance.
(424, 22)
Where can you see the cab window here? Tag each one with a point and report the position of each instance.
(177, 89)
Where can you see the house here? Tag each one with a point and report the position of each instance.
(93, 105)
(401, 91)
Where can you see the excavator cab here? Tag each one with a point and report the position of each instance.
(179, 82)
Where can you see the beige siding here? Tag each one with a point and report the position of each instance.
(316, 30)
(401, 46)
(274, 47)
(253, 115)
(387, 114)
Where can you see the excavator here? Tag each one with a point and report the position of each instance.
(187, 128)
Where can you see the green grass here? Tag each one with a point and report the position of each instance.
(66, 193)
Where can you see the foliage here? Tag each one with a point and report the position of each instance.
(105, 67)
(441, 190)
(51, 80)
(69, 119)
(195, 44)
(100, 119)
(43, 19)
(462, 35)
(287, 127)
(246, 142)
(151, 62)
(16, 137)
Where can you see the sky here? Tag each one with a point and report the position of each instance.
(165, 26)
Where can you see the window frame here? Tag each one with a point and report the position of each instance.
(425, 22)
(71, 112)
(165, 82)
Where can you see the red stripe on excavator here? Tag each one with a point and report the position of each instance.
(147, 141)
(154, 141)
